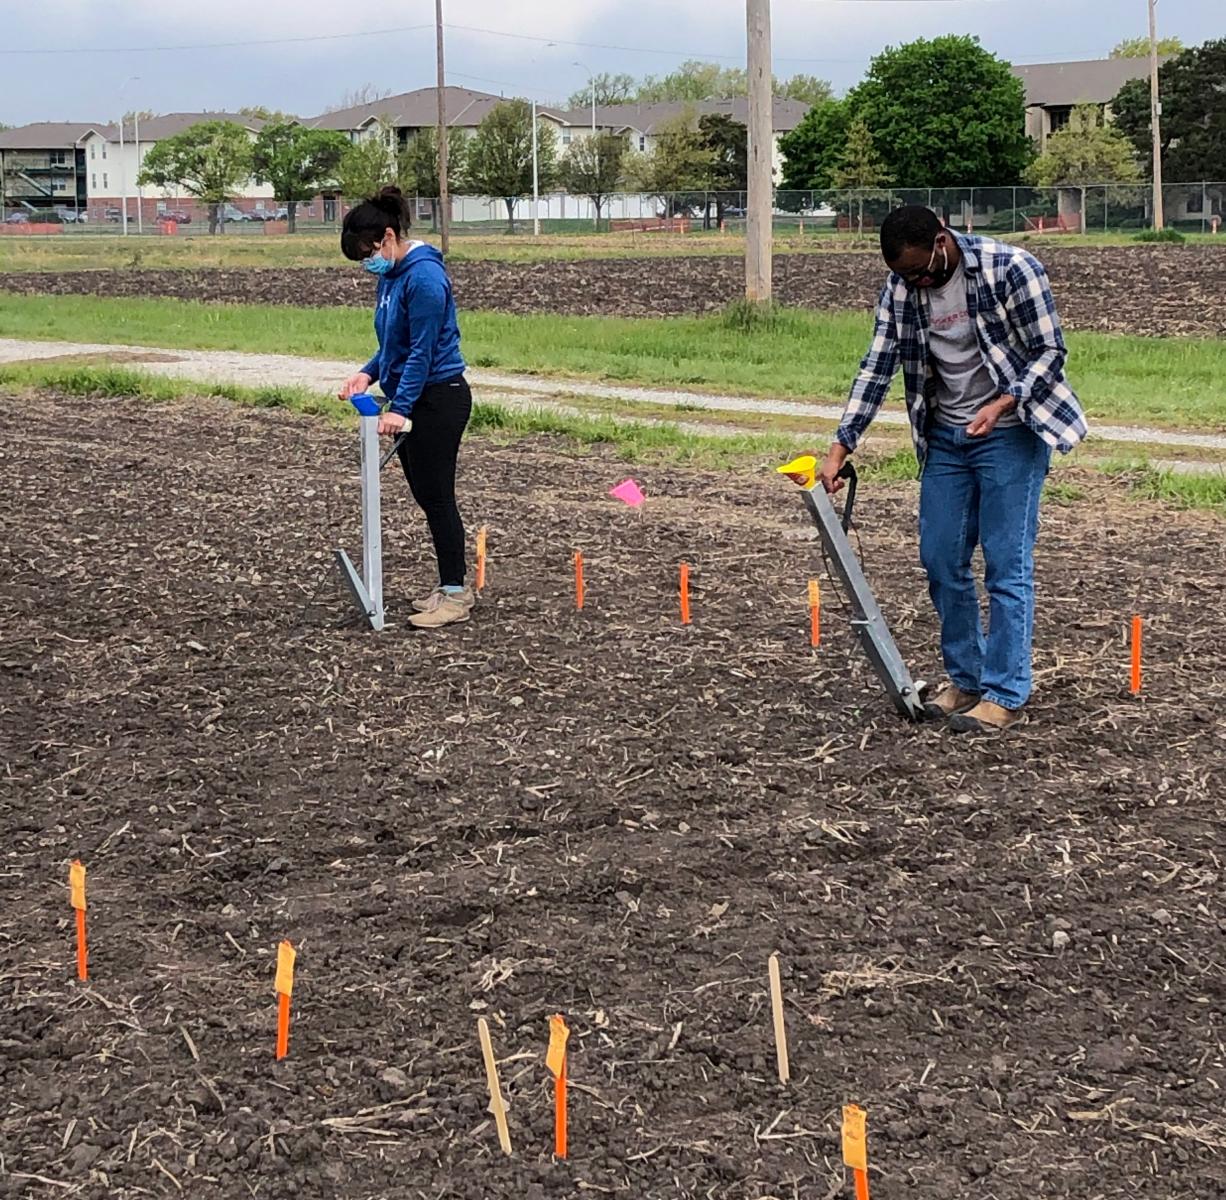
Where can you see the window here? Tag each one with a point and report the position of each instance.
(93, 183)
(104, 149)
(565, 137)
(1059, 115)
(106, 183)
(91, 153)
(642, 142)
(59, 158)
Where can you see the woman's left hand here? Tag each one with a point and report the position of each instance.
(391, 423)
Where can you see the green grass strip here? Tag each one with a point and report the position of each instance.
(794, 353)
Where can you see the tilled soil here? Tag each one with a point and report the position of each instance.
(1151, 290)
(1009, 951)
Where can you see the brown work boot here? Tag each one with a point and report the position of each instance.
(450, 608)
(948, 701)
(985, 717)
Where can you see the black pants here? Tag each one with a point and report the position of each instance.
(428, 456)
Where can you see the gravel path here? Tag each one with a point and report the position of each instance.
(320, 375)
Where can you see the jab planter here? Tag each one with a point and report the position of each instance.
(867, 620)
(367, 588)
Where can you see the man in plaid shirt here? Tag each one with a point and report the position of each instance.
(973, 326)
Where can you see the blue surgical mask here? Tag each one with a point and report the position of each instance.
(376, 264)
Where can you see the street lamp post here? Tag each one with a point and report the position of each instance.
(536, 180)
(123, 162)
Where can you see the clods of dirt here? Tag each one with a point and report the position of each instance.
(602, 814)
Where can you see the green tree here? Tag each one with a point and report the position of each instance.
(692, 81)
(610, 89)
(813, 151)
(678, 167)
(806, 88)
(727, 141)
(500, 155)
(210, 161)
(417, 164)
(1138, 47)
(297, 161)
(592, 167)
(1086, 150)
(1193, 114)
(369, 164)
(861, 167)
(945, 113)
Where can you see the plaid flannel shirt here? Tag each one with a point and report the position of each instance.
(1010, 301)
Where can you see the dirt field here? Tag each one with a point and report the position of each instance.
(1131, 289)
(1009, 951)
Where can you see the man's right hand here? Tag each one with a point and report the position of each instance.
(355, 385)
(831, 466)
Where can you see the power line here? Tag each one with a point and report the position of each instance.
(499, 33)
(278, 41)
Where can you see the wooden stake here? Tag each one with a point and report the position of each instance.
(579, 580)
(76, 894)
(481, 558)
(555, 1060)
(855, 1146)
(685, 593)
(815, 614)
(284, 987)
(1136, 656)
(497, 1107)
(781, 1031)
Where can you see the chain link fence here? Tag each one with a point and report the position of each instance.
(1121, 209)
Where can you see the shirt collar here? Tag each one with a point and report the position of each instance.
(969, 250)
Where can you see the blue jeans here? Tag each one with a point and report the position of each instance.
(983, 491)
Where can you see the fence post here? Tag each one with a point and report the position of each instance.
(1204, 206)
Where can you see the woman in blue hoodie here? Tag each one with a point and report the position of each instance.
(419, 368)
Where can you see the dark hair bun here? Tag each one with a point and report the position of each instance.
(391, 200)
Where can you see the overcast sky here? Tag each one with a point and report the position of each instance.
(391, 45)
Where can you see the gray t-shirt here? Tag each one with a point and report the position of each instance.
(964, 383)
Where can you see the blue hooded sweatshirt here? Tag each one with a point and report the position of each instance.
(415, 321)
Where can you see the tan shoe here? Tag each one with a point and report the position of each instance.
(948, 701)
(451, 608)
(426, 603)
(985, 717)
(430, 602)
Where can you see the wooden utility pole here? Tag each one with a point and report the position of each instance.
(1155, 113)
(761, 152)
(444, 199)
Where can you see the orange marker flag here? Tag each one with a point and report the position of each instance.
(579, 579)
(815, 614)
(685, 593)
(284, 985)
(855, 1146)
(555, 1060)
(1136, 656)
(481, 558)
(76, 894)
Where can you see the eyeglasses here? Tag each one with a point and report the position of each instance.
(915, 276)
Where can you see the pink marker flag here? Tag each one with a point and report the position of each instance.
(629, 493)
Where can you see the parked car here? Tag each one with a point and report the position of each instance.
(232, 213)
(113, 214)
(177, 215)
(17, 218)
(71, 216)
